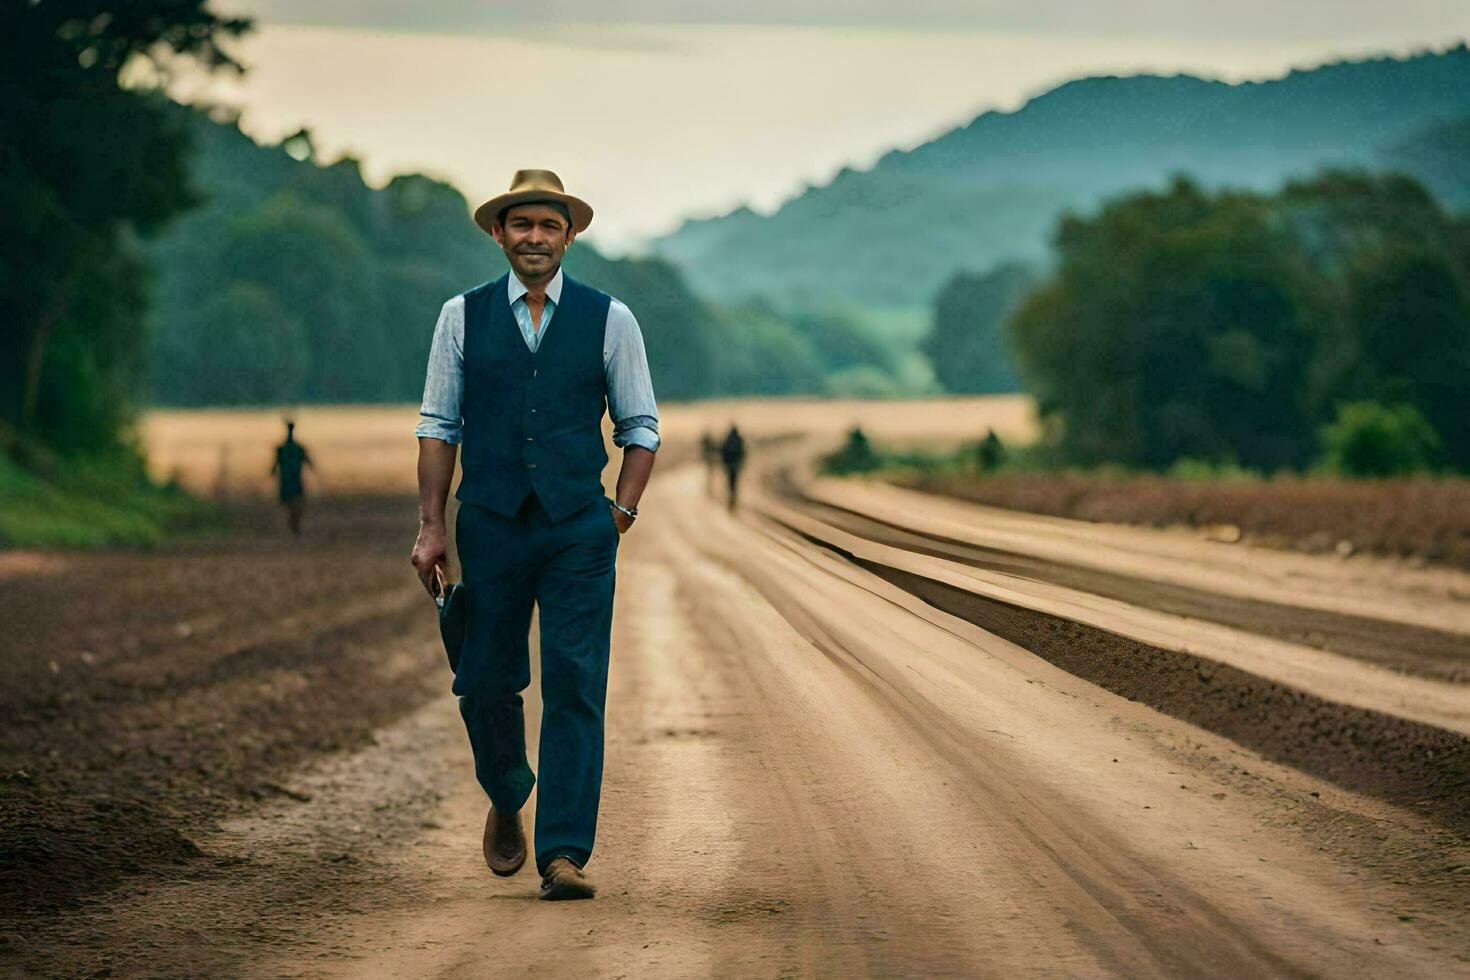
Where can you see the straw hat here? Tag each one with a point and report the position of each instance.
(533, 187)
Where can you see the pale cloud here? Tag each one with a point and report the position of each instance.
(1429, 21)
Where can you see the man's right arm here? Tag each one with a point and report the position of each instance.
(439, 432)
(436, 470)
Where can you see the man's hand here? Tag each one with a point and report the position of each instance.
(428, 551)
(623, 521)
(632, 478)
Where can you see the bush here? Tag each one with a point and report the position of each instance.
(857, 456)
(1189, 468)
(1369, 439)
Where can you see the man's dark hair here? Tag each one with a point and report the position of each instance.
(558, 206)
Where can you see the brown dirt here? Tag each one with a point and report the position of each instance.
(1404, 647)
(1406, 763)
(1425, 519)
(145, 694)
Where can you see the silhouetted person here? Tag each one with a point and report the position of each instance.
(291, 456)
(856, 455)
(709, 450)
(990, 453)
(732, 454)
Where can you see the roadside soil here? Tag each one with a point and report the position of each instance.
(1406, 647)
(1415, 519)
(148, 693)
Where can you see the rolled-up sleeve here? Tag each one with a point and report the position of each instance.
(439, 416)
(630, 399)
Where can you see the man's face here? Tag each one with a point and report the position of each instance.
(534, 238)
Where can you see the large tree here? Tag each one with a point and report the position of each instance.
(966, 342)
(85, 165)
(1231, 325)
(1179, 324)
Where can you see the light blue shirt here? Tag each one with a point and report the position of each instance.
(630, 399)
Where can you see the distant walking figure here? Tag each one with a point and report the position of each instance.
(291, 456)
(710, 451)
(732, 453)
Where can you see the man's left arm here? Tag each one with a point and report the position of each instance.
(631, 404)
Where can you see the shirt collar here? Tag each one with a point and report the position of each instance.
(553, 289)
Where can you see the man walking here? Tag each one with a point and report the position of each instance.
(732, 454)
(291, 456)
(519, 371)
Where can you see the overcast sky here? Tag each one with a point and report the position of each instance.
(1241, 19)
(653, 111)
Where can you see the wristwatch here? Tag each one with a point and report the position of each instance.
(630, 511)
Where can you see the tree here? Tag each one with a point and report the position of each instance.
(1411, 313)
(1228, 326)
(967, 341)
(240, 347)
(1178, 324)
(1369, 439)
(84, 164)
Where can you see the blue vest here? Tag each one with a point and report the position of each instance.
(533, 421)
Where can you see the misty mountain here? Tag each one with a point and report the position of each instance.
(991, 191)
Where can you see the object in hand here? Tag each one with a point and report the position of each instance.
(451, 603)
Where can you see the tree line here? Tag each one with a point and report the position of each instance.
(297, 282)
(1265, 330)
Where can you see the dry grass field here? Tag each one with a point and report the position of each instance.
(227, 453)
(371, 449)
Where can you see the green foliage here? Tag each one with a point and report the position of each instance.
(86, 164)
(1185, 324)
(1210, 471)
(91, 501)
(297, 282)
(842, 341)
(761, 355)
(862, 381)
(255, 351)
(1369, 439)
(1179, 324)
(966, 342)
(855, 456)
(1410, 309)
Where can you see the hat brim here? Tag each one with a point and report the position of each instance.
(581, 211)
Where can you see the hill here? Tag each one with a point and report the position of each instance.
(991, 191)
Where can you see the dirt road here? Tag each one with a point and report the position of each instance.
(820, 765)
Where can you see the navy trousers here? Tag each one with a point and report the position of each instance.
(567, 570)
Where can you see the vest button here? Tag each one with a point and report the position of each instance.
(530, 466)
(530, 438)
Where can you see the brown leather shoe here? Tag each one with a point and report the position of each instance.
(564, 880)
(505, 842)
